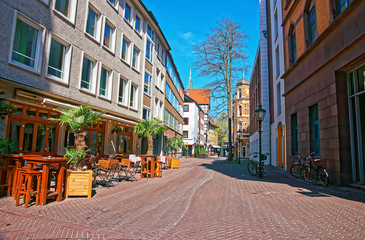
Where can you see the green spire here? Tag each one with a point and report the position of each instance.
(190, 85)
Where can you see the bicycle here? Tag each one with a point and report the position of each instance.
(296, 170)
(253, 165)
(313, 172)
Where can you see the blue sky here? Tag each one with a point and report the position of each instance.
(186, 23)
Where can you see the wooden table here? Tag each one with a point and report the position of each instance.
(46, 162)
(144, 159)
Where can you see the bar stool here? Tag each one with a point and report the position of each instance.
(9, 173)
(158, 169)
(145, 168)
(25, 186)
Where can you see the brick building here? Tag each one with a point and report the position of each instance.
(324, 84)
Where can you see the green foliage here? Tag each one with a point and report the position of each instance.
(148, 128)
(7, 109)
(76, 119)
(196, 151)
(222, 123)
(7, 146)
(175, 143)
(75, 157)
(202, 150)
(117, 129)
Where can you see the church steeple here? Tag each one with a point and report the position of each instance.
(190, 85)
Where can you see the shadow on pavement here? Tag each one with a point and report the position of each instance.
(276, 175)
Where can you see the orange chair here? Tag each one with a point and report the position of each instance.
(8, 173)
(26, 187)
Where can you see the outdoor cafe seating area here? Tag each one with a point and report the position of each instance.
(34, 179)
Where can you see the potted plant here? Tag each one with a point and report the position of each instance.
(76, 119)
(7, 109)
(173, 144)
(147, 129)
(7, 147)
(78, 183)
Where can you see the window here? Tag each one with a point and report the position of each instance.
(276, 25)
(278, 99)
(137, 24)
(186, 121)
(162, 82)
(342, 5)
(147, 83)
(150, 32)
(149, 48)
(240, 111)
(67, 8)
(109, 36)
(125, 49)
(127, 12)
(133, 97)
(146, 113)
(59, 60)
(292, 47)
(93, 23)
(135, 58)
(186, 134)
(122, 91)
(158, 78)
(105, 82)
(113, 2)
(156, 111)
(294, 134)
(314, 129)
(239, 93)
(27, 41)
(277, 62)
(186, 108)
(88, 74)
(312, 24)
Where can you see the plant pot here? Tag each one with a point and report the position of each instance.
(175, 163)
(78, 183)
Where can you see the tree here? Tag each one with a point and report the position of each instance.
(221, 121)
(148, 128)
(175, 143)
(221, 57)
(76, 119)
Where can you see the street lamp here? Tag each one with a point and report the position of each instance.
(260, 115)
(239, 133)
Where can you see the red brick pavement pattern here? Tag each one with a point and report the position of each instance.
(203, 200)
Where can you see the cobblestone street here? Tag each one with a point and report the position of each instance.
(205, 199)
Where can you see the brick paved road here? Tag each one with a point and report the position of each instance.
(205, 199)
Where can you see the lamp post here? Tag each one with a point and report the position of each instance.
(260, 115)
(239, 133)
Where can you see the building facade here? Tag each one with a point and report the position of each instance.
(111, 55)
(193, 129)
(213, 144)
(278, 146)
(241, 116)
(261, 86)
(324, 84)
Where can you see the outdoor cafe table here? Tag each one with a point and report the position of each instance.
(46, 163)
(152, 162)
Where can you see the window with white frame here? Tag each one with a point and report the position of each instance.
(133, 96)
(93, 23)
(127, 12)
(156, 111)
(162, 82)
(149, 50)
(161, 110)
(276, 26)
(150, 32)
(278, 99)
(59, 59)
(147, 83)
(27, 41)
(135, 58)
(123, 85)
(146, 113)
(125, 49)
(106, 79)
(137, 24)
(109, 35)
(67, 8)
(45, 1)
(113, 2)
(88, 74)
(277, 61)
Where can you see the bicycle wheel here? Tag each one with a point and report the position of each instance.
(296, 170)
(309, 174)
(252, 168)
(323, 176)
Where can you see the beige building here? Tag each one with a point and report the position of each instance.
(241, 117)
(109, 54)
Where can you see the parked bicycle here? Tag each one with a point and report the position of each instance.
(253, 165)
(316, 171)
(297, 169)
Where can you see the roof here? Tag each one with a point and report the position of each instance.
(201, 96)
(243, 81)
